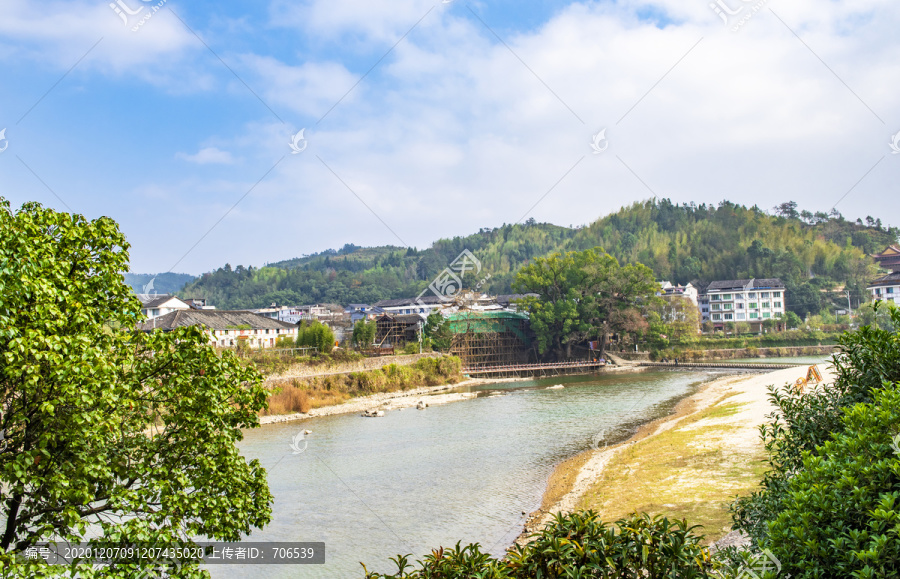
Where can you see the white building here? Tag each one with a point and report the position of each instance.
(743, 300)
(887, 287)
(688, 291)
(226, 328)
(155, 305)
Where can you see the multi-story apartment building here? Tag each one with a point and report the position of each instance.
(743, 300)
(887, 287)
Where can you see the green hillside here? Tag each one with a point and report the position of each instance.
(818, 256)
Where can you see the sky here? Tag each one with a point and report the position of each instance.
(425, 119)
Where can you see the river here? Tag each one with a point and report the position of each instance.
(371, 488)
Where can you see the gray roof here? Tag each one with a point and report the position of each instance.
(155, 300)
(408, 319)
(505, 299)
(749, 284)
(215, 320)
(426, 299)
(889, 279)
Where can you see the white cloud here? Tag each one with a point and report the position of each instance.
(208, 155)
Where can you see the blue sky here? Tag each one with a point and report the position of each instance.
(483, 113)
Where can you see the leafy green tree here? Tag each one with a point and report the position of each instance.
(582, 296)
(792, 320)
(437, 332)
(110, 435)
(315, 335)
(364, 333)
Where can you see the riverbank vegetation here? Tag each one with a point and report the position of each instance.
(305, 394)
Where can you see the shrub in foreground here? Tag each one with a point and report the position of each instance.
(577, 545)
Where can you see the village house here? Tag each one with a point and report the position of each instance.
(743, 300)
(887, 287)
(226, 328)
(155, 305)
(666, 289)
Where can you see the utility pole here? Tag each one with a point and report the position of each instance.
(849, 307)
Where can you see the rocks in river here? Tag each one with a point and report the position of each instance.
(307, 432)
(421, 405)
(373, 413)
(556, 387)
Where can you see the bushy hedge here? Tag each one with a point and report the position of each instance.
(829, 505)
(577, 545)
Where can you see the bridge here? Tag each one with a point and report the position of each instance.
(717, 365)
(552, 368)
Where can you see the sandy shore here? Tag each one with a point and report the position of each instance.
(392, 400)
(732, 435)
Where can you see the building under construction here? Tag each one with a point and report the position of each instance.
(397, 330)
(489, 338)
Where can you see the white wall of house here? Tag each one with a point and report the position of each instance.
(744, 306)
(255, 338)
(887, 293)
(164, 308)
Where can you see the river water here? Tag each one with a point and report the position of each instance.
(371, 488)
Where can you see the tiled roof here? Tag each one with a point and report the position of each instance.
(155, 300)
(750, 284)
(889, 279)
(404, 318)
(215, 320)
(426, 299)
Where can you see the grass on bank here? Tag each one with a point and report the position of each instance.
(682, 473)
(305, 394)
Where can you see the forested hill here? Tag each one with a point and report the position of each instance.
(817, 256)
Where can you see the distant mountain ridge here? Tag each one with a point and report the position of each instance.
(814, 254)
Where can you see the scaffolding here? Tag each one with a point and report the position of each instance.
(482, 339)
(395, 331)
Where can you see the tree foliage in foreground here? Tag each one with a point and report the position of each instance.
(110, 435)
(577, 545)
(829, 505)
(583, 295)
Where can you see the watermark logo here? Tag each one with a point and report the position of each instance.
(894, 144)
(148, 290)
(765, 562)
(297, 440)
(599, 138)
(599, 441)
(128, 15)
(895, 444)
(448, 283)
(736, 17)
(3, 140)
(160, 568)
(298, 143)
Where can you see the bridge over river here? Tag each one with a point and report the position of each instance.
(587, 366)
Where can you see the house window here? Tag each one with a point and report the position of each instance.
(777, 304)
(740, 306)
(767, 315)
(717, 316)
(726, 296)
(753, 315)
(729, 316)
(715, 297)
(728, 306)
(877, 291)
(765, 305)
(753, 305)
(763, 294)
(716, 307)
(741, 317)
(890, 290)
(751, 295)
(776, 295)
(267, 331)
(777, 314)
